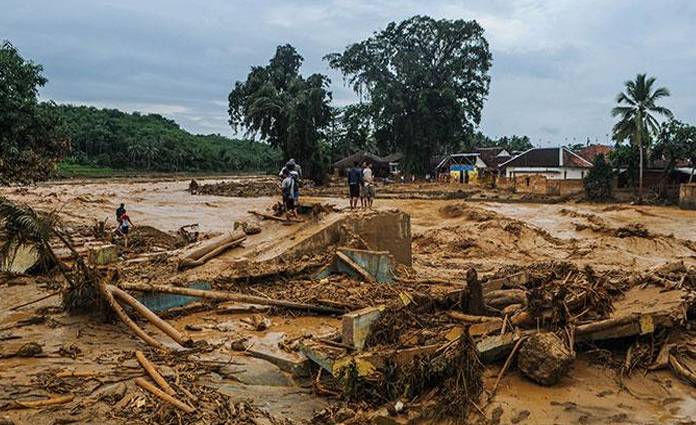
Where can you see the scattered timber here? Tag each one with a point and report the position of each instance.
(142, 383)
(211, 249)
(154, 374)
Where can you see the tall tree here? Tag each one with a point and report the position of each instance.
(284, 108)
(31, 136)
(636, 109)
(426, 81)
(676, 141)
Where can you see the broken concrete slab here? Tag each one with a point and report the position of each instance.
(103, 255)
(356, 325)
(363, 264)
(267, 348)
(640, 312)
(495, 347)
(382, 231)
(516, 279)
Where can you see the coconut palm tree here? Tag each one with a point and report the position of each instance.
(636, 109)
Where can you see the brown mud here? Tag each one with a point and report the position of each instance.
(449, 237)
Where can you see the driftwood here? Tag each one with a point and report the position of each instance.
(142, 383)
(47, 402)
(211, 249)
(681, 370)
(52, 294)
(152, 371)
(503, 298)
(149, 315)
(228, 296)
(604, 325)
(272, 217)
(116, 307)
(469, 318)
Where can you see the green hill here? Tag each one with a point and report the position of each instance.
(112, 140)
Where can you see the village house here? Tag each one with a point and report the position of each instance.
(552, 163)
(381, 166)
(471, 167)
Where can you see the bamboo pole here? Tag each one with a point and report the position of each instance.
(142, 383)
(603, 325)
(228, 296)
(149, 315)
(152, 371)
(116, 307)
(46, 402)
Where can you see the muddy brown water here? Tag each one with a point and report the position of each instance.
(517, 233)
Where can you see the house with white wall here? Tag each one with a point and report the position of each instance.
(552, 163)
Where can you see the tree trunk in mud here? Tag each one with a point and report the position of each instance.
(227, 296)
(149, 315)
(116, 307)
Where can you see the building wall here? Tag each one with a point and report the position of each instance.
(560, 173)
(539, 184)
(687, 196)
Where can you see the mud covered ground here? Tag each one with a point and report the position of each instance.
(449, 237)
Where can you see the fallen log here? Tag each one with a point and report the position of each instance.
(116, 307)
(46, 402)
(506, 297)
(142, 383)
(272, 217)
(154, 374)
(470, 318)
(227, 296)
(150, 316)
(606, 324)
(211, 249)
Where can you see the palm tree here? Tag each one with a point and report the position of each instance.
(636, 108)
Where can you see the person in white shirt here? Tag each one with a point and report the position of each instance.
(369, 179)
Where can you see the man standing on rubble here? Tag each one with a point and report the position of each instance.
(355, 181)
(369, 186)
(120, 211)
(288, 192)
(296, 173)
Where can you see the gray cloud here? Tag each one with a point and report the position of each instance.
(558, 64)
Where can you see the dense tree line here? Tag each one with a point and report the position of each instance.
(31, 137)
(112, 138)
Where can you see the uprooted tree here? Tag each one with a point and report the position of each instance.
(31, 136)
(425, 81)
(284, 108)
(599, 179)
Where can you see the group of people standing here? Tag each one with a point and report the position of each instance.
(361, 184)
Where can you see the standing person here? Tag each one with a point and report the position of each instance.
(369, 185)
(296, 172)
(363, 194)
(288, 193)
(120, 211)
(124, 225)
(355, 181)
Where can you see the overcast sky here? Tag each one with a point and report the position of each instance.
(557, 64)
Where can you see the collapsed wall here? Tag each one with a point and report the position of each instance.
(381, 231)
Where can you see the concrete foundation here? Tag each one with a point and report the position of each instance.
(382, 231)
(379, 265)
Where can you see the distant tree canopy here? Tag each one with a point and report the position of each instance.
(351, 130)
(675, 141)
(111, 138)
(31, 141)
(279, 105)
(510, 143)
(424, 81)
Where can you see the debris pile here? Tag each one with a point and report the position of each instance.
(244, 188)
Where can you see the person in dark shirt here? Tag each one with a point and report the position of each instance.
(120, 211)
(355, 181)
